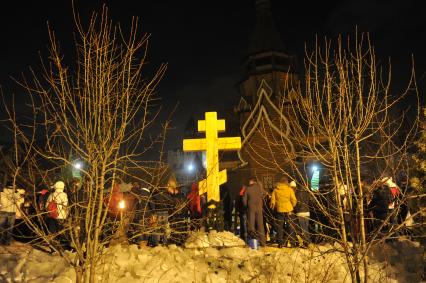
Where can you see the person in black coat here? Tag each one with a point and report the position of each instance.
(302, 212)
(169, 215)
(379, 205)
(143, 210)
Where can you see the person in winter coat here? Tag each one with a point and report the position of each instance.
(379, 205)
(283, 200)
(302, 212)
(144, 209)
(194, 204)
(169, 216)
(253, 200)
(394, 202)
(10, 202)
(242, 213)
(57, 208)
(42, 193)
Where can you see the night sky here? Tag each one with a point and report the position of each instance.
(204, 42)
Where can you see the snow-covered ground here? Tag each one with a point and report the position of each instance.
(218, 257)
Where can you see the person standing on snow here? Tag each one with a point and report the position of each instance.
(395, 194)
(57, 208)
(194, 205)
(302, 212)
(379, 205)
(242, 213)
(253, 200)
(10, 202)
(283, 201)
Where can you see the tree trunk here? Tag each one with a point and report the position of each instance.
(361, 212)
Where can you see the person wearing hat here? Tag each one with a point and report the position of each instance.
(283, 201)
(59, 199)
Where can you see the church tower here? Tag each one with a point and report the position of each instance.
(266, 57)
(269, 76)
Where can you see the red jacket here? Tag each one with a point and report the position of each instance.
(194, 200)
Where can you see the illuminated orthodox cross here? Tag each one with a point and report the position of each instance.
(212, 144)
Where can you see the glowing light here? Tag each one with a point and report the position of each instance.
(190, 167)
(121, 204)
(78, 165)
(314, 168)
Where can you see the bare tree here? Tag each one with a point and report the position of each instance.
(340, 119)
(98, 110)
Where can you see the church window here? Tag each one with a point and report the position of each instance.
(268, 181)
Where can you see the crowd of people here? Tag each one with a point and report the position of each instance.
(289, 215)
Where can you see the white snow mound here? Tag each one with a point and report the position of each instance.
(395, 262)
(213, 239)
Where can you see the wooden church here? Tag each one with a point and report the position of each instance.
(264, 111)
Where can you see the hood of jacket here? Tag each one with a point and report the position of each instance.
(59, 190)
(283, 198)
(282, 186)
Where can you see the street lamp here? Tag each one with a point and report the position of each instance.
(78, 165)
(190, 167)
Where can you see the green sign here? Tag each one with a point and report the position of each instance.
(315, 180)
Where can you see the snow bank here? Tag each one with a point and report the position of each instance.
(403, 258)
(203, 262)
(213, 239)
(33, 266)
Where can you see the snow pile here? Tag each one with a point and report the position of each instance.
(34, 266)
(129, 264)
(403, 257)
(213, 239)
(395, 262)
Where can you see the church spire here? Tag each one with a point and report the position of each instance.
(266, 59)
(266, 52)
(265, 36)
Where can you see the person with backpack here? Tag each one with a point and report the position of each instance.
(56, 208)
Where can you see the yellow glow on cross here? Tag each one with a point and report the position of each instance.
(212, 144)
